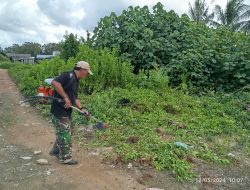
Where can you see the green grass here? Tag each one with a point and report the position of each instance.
(209, 125)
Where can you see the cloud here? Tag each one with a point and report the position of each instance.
(28, 23)
(46, 21)
(96, 9)
(79, 13)
(63, 12)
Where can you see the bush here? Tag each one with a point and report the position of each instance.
(209, 59)
(3, 58)
(108, 71)
(6, 64)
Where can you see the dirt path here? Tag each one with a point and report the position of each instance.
(23, 130)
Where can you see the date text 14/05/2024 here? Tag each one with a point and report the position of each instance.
(220, 180)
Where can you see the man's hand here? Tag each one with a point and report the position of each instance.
(67, 103)
(86, 113)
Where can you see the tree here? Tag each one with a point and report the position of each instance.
(199, 11)
(2, 55)
(236, 15)
(1, 50)
(135, 33)
(26, 48)
(87, 41)
(14, 48)
(50, 47)
(190, 53)
(70, 46)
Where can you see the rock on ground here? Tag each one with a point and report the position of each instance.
(42, 161)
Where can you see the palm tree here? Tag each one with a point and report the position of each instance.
(236, 15)
(199, 11)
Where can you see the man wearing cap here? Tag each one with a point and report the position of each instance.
(66, 88)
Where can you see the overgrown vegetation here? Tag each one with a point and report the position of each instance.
(158, 119)
(70, 46)
(202, 57)
(147, 117)
(189, 52)
(3, 57)
(7, 64)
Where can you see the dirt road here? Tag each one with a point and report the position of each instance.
(22, 131)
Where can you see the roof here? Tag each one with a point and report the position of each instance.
(17, 55)
(44, 56)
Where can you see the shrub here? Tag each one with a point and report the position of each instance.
(210, 59)
(6, 64)
(3, 58)
(108, 70)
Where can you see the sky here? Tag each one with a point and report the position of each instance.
(45, 21)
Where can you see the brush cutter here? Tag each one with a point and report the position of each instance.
(41, 98)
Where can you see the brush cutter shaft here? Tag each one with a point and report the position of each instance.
(34, 98)
(75, 108)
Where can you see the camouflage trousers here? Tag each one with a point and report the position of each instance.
(63, 144)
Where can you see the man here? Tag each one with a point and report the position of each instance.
(66, 88)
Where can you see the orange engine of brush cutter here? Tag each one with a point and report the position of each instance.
(44, 91)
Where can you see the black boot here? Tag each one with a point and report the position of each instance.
(69, 162)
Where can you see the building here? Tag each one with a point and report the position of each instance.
(40, 57)
(23, 58)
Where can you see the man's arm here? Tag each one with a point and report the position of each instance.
(58, 87)
(78, 104)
